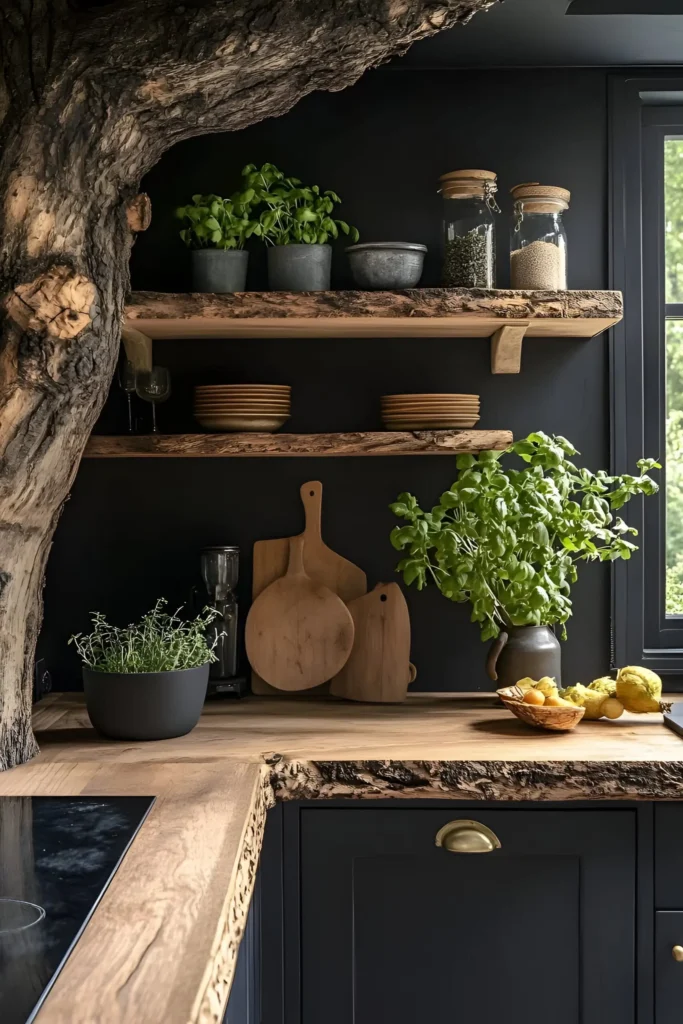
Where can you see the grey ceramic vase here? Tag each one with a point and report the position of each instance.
(299, 268)
(522, 651)
(219, 270)
(145, 705)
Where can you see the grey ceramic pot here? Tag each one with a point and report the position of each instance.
(219, 270)
(145, 705)
(522, 651)
(299, 268)
(389, 265)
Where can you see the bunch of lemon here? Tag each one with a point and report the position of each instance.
(635, 689)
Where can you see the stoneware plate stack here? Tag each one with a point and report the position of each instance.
(258, 407)
(429, 412)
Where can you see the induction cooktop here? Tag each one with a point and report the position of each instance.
(57, 857)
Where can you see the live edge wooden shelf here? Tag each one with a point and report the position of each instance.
(507, 317)
(418, 442)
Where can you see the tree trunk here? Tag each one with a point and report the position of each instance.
(91, 99)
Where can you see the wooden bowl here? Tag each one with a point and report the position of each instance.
(561, 719)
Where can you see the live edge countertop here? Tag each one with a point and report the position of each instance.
(161, 946)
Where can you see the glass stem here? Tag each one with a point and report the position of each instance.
(154, 418)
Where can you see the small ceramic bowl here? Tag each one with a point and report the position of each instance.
(386, 265)
(561, 719)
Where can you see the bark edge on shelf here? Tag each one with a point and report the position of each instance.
(377, 443)
(416, 312)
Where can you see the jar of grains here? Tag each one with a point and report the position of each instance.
(469, 232)
(538, 241)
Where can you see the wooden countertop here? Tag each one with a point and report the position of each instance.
(162, 943)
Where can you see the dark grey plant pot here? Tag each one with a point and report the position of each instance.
(389, 265)
(521, 651)
(299, 268)
(219, 270)
(145, 705)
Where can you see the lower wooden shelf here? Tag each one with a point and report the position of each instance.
(415, 442)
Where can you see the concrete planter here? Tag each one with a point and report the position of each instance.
(219, 270)
(145, 705)
(386, 265)
(299, 268)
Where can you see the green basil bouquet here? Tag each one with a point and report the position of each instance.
(509, 540)
(217, 223)
(294, 213)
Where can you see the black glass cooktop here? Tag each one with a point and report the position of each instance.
(57, 856)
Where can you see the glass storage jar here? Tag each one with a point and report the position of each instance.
(538, 241)
(469, 231)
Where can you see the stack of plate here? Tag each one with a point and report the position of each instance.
(429, 412)
(259, 407)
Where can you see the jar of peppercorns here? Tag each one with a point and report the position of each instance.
(469, 230)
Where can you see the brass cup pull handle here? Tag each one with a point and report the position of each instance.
(677, 953)
(465, 836)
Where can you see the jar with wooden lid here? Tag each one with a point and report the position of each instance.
(538, 241)
(469, 230)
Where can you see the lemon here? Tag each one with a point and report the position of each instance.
(547, 686)
(526, 684)
(612, 708)
(639, 689)
(605, 684)
(583, 697)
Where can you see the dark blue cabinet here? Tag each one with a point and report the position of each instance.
(364, 920)
(396, 929)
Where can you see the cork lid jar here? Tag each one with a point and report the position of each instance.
(468, 228)
(538, 240)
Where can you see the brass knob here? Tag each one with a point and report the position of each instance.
(465, 836)
(677, 953)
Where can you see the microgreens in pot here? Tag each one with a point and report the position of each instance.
(160, 642)
(509, 540)
(294, 213)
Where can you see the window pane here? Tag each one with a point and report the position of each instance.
(673, 198)
(674, 467)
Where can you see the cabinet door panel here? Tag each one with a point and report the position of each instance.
(668, 972)
(394, 928)
(669, 856)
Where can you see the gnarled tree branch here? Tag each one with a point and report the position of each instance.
(89, 101)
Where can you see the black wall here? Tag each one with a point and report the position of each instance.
(133, 528)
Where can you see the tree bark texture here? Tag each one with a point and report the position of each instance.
(376, 442)
(89, 100)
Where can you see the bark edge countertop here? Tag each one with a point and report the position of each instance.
(162, 944)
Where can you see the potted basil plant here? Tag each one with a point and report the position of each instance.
(148, 680)
(509, 541)
(297, 225)
(216, 232)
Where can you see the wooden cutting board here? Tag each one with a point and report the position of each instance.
(321, 563)
(298, 632)
(378, 669)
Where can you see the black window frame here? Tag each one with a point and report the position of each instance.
(644, 110)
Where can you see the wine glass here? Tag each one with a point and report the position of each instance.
(153, 386)
(127, 379)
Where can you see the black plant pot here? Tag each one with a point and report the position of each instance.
(145, 705)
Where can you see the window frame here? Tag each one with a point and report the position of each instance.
(641, 109)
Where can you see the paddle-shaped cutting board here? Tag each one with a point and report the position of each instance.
(321, 563)
(298, 632)
(378, 669)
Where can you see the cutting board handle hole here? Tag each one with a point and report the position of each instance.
(383, 597)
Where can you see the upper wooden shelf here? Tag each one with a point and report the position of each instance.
(506, 316)
(379, 442)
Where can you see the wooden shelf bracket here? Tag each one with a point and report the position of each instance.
(506, 348)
